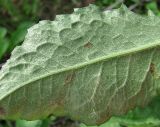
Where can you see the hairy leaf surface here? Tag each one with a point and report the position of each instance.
(89, 66)
(139, 117)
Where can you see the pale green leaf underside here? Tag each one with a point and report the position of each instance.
(89, 66)
(139, 117)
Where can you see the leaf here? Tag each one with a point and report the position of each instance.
(153, 6)
(147, 117)
(24, 123)
(89, 66)
(3, 32)
(9, 6)
(37, 123)
(3, 46)
(118, 122)
(18, 35)
(3, 41)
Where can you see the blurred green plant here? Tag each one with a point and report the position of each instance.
(3, 41)
(16, 17)
(23, 123)
(153, 7)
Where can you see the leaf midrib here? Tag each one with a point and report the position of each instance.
(77, 66)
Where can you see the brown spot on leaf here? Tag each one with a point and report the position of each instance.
(88, 45)
(152, 68)
(69, 78)
(2, 111)
(103, 118)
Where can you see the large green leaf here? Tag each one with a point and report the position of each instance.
(89, 65)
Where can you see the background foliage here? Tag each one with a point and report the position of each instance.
(16, 16)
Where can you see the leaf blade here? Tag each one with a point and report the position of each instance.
(84, 66)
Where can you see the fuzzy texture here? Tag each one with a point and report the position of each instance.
(89, 66)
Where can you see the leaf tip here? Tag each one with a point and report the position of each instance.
(150, 13)
(91, 7)
(123, 8)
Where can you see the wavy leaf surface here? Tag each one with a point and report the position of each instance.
(89, 66)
